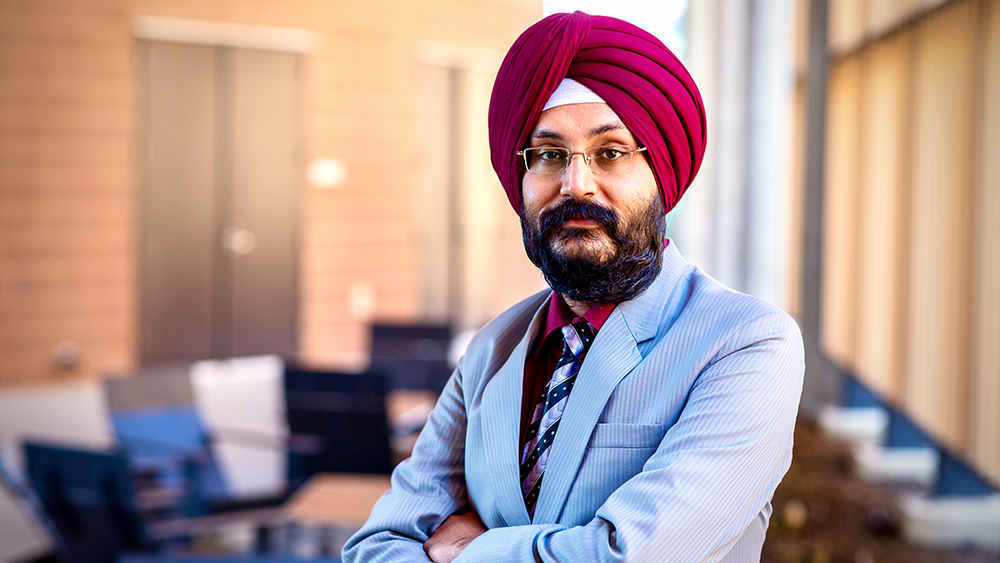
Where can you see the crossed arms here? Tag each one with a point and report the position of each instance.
(715, 469)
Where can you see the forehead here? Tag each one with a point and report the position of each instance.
(580, 121)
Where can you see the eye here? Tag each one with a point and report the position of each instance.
(611, 153)
(551, 155)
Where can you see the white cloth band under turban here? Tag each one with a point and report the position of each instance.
(572, 92)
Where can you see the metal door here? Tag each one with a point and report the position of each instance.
(220, 164)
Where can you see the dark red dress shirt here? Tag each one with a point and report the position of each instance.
(542, 358)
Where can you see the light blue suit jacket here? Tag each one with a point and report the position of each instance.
(677, 432)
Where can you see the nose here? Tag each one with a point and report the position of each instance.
(578, 179)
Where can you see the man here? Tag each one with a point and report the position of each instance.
(640, 410)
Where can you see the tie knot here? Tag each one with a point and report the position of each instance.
(578, 336)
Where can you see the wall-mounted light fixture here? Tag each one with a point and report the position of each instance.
(327, 173)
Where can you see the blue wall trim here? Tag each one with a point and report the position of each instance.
(904, 433)
(955, 476)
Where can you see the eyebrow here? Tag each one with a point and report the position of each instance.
(546, 134)
(606, 128)
(599, 130)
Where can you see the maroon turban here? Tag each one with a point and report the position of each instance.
(635, 73)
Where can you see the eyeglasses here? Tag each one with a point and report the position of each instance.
(608, 160)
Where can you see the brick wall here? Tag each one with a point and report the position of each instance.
(68, 179)
(66, 186)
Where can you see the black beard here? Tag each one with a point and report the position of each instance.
(632, 267)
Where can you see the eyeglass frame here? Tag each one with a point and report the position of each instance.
(523, 153)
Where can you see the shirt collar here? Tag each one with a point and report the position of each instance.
(560, 315)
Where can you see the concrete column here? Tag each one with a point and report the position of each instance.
(771, 83)
(691, 224)
(820, 377)
(731, 115)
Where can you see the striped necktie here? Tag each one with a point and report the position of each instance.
(548, 411)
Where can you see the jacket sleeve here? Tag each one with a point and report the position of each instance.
(714, 471)
(426, 488)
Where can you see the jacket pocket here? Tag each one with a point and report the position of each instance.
(626, 435)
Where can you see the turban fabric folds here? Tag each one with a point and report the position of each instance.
(641, 80)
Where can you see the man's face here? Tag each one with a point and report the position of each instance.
(596, 236)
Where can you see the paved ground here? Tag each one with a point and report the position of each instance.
(823, 514)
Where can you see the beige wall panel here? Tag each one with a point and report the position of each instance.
(927, 4)
(479, 210)
(985, 430)
(433, 192)
(796, 198)
(883, 14)
(840, 211)
(883, 215)
(938, 336)
(846, 23)
(801, 36)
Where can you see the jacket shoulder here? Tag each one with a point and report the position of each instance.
(497, 338)
(731, 312)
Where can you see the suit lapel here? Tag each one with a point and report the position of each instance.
(611, 357)
(501, 427)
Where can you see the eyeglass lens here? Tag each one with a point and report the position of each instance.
(608, 160)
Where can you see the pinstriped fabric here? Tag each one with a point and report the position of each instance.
(676, 433)
(748, 546)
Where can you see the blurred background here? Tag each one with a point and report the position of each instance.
(242, 243)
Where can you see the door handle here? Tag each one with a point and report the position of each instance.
(238, 241)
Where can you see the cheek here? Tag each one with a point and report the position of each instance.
(534, 194)
(649, 180)
(644, 188)
(633, 197)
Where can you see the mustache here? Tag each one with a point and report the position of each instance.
(638, 241)
(578, 209)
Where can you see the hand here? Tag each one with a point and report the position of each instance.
(451, 537)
